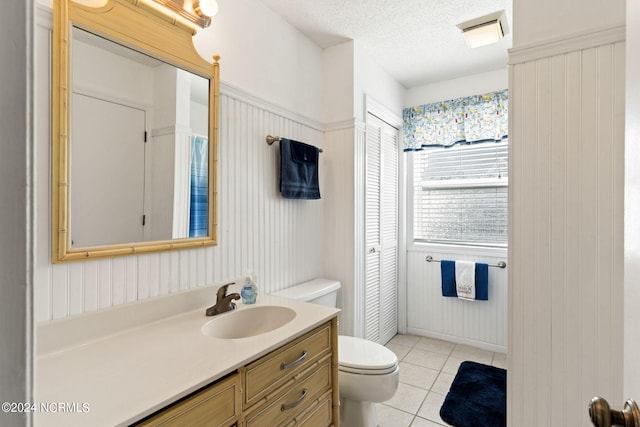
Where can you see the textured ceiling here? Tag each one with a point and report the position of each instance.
(416, 41)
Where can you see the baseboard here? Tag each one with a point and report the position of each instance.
(458, 340)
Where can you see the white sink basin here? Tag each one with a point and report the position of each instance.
(248, 322)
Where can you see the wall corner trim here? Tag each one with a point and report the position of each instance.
(567, 43)
(341, 125)
(44, 16)
(382, 112)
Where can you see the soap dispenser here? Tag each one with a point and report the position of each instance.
(249, 290)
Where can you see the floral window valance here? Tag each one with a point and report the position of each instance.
(473, 119)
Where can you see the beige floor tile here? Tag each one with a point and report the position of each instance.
(427, 359)
(421, 422)
(452, 365)
(430, 409)
(428, 367)
(408, 398)
(408, 340)
(499, 360)
(418, 376)
(400, 350)
(435, 345)
(467, 352)
(392, 417)
(442, 384)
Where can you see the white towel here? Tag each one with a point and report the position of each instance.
(466, 280)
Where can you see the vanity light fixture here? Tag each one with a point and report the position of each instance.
(484, 30)
(205, 7)
(197, 11)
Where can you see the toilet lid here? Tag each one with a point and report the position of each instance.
(358, 355)
(310, 290)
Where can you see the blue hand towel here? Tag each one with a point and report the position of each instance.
(448, 273)
(482, 281)
(298, 170)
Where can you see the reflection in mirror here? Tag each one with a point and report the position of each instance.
(139, 151)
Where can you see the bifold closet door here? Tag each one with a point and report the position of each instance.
(381, 230)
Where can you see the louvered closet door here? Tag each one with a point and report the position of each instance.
(381, 222)
(389, 234)
(372, 233)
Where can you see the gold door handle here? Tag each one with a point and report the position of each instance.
(603, 416)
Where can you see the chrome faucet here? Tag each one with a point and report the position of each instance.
(224, 302)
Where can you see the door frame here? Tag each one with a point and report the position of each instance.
(631, 373)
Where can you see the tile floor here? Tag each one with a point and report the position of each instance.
(427, 368)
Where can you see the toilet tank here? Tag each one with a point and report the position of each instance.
(316, 291)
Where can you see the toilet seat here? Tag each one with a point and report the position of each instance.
(364, 357)
(368, 371)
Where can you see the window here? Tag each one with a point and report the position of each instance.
(460, 195)
(460, 162)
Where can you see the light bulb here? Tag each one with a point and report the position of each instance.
(206, 7)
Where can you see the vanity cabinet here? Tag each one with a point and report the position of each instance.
(294, 385)
(217, 405)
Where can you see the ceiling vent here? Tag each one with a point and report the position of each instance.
(485, 30)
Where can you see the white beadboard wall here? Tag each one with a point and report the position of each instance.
(479, 323)
(343, 219)
(566, 177)
(338, 241)
(279, 240)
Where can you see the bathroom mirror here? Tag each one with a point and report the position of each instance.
(134, 133)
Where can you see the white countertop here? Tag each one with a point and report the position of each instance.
(124, 376)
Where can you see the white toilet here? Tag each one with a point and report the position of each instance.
(368, 372)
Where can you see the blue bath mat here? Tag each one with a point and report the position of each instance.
(477, 397)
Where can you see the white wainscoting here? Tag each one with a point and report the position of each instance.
(479, 323)
(344, 220)
(338, 241)
(279, 240)
(566, 176)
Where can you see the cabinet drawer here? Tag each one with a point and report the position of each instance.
(267, 374)
(296, 399)
(215, 405)
(318, 414)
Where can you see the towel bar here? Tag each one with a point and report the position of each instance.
(271, 139)
(500, 264)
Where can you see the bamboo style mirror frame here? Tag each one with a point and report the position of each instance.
(132, 25)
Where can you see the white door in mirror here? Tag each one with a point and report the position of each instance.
(106, 199)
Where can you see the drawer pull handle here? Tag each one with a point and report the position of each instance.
(287, 406)
(284, 366)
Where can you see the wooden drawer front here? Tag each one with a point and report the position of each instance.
(268, 373)
(216, 405)
(318, 414)
(297, 398)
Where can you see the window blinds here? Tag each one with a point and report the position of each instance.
(461, 194)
